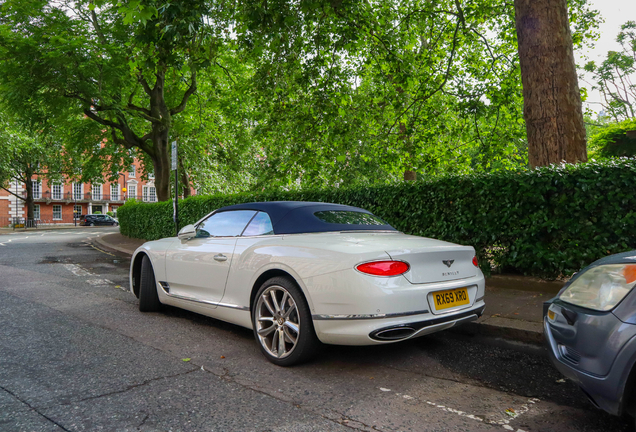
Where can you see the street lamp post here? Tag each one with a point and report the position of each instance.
(176, 187)
(123, 186)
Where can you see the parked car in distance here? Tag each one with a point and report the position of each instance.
(97, 219)
(590, 327)
(301, 273)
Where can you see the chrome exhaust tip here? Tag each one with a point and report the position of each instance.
(393, 333)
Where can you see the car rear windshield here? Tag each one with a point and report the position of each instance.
(348, 217)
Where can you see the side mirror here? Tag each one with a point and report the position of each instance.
(187, 232)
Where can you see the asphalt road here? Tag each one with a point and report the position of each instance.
(77, 355)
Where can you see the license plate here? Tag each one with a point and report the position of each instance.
(450, 298)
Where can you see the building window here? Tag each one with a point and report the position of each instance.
(36, 211)
(97, 192)
(114, 192)
(56, 191)
(37, 189)
(77, 211)
(132, 171)
(77, 191)
(151, 175)
(57, 212)
(150, 194)
(132, 191)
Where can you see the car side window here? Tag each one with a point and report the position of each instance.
(260, 225)
(225, 224)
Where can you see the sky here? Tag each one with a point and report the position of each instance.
(615, 13)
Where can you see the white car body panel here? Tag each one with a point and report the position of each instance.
(192, 269)
(346, 305)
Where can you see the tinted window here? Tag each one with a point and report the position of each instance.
(225, 224)
(347, 217)
(260, 225)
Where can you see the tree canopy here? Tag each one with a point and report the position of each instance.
(274, 94)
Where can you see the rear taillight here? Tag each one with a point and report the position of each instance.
(384, 268)
(475, 262)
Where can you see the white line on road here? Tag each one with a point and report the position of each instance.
(97, 282)
(77, 270)
(505, 423)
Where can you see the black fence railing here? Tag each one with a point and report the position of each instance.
(70, 197)
(20, 222)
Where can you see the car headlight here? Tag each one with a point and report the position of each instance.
(602, 287)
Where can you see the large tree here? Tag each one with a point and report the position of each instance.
(552, 100)
(356, 91)
(129, 66)
(616, 76)
(27, 151)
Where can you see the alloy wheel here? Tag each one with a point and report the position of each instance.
(277, 321)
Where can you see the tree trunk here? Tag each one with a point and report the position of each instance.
(29, 196)
(551, 100)
(160, 135)
(409, 174)
(161, 163)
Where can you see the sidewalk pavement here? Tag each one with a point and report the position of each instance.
(514, 304)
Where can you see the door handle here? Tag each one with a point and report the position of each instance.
(220, 258)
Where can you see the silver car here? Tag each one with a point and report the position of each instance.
(590, 328)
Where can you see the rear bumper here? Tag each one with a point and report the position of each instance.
(354, 331)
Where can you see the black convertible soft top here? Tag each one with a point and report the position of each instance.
(295, 217)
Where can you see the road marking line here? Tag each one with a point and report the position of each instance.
(77, 270)
(505, 423)
(98, 249)
(96, 282)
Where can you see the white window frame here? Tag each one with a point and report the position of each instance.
(76, 214)
(57, 191)
(36, 211)
(78, 192)
(117, 195)
(96, 196)
(131, 186)
(36, 186)
(151, 175)
(149, 194)
(132, 172)
(60, 206)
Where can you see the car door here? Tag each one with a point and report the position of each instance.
(197, 269)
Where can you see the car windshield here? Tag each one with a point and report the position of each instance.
(225, 224)
(348, 217)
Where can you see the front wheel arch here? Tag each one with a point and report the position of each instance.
(136, 272)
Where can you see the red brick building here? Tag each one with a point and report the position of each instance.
(62, 202)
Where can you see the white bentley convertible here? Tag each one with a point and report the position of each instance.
(300, 272)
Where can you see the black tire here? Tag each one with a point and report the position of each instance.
(91, 224)
(148, 297)
(297, 314)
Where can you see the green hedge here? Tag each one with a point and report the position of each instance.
(544, 222)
